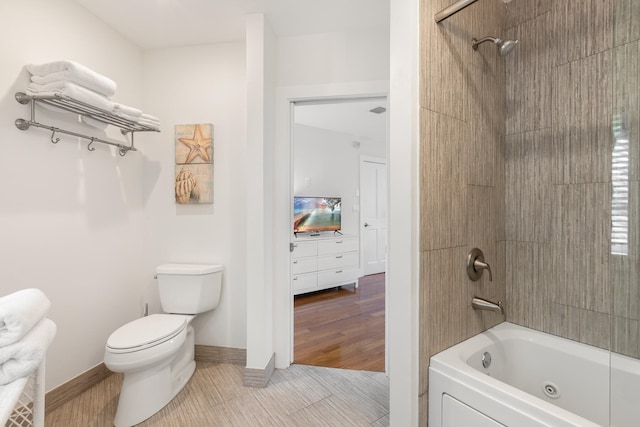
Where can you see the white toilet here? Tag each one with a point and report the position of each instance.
(156, 352)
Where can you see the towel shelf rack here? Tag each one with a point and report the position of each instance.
(78, 107)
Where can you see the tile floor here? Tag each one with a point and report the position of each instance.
(298, 396)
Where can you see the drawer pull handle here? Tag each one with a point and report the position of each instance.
(339, 256)
(338, 271)
(295, 278)
(295, 262)
(338, 241)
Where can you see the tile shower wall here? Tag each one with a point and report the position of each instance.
(574, 73)
(462, 175)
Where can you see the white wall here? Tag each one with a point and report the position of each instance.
(318, 66)
(260, 189)
(332, 166)
(200, 84)
(333, 57)
(404, 214)
(72, 221)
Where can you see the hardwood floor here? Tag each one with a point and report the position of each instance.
(299, 396)
(342, 327)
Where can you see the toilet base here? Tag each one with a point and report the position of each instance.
(147, 391)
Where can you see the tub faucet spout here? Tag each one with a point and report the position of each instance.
(483, 304)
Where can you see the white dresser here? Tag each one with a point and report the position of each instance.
(324, 262)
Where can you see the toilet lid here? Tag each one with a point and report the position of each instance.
(146, 331)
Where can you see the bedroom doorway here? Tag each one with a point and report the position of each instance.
(339, 321)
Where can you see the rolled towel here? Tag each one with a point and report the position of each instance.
(93, 122)
(152, 125)
(149, 118)
(72, 90)
(21, 358)
(126, 111)
(74, 72)
(19, 312)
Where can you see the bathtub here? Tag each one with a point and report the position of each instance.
(533, 379)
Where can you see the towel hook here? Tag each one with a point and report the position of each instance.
(53, 133)
(89, 147)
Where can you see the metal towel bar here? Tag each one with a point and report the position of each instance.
(452, 10)
(77, 107)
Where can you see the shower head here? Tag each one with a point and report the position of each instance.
(504, 46)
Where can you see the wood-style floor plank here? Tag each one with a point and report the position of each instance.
(342, 327)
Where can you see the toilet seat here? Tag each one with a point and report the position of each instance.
(146, 332)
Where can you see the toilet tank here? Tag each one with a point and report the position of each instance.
(189, 288)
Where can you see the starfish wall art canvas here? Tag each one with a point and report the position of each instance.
(194, 163)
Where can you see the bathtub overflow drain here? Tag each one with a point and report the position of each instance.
(551, 390)
(486, 359)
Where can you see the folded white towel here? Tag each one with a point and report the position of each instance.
(72, 90)
(149, 118)
(19, 312)
(128, 117)
(21, 358)
(126, 111)
(152, 125)
(93, 122)
(74, 72)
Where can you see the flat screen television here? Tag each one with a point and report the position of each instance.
(316, 214)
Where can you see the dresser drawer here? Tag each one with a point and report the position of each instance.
(304, 265)
(338, 277)
(304, 249)
(304, 282)
(349, 259)
(346, 244)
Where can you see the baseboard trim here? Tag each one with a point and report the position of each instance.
(64, 392)
(75, 386)
(259, 377)
(213, 354)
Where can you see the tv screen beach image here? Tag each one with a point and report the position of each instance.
(313, 214)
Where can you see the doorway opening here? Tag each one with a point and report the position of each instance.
(338, 258)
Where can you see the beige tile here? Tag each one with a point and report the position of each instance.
(582, 125)
(581, 28)
(528, 284)
(444, 297)
(443, 206)
(215, 396)
(595, 328)
(329, 412)
(528, 188)
(563, 321)
(445, 56)
(626, 103)
(529, 77)
(290, 392)
(581, 247)
(382, 422)
(366, 396)
(624, 336)
(626, 21)
(519, 11)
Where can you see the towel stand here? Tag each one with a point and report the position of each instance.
(78, 107)
(27, 401)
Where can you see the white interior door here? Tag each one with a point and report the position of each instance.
(373, 214)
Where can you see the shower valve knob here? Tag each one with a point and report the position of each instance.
(476, 264)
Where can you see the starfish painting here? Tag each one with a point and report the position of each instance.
(198, 146)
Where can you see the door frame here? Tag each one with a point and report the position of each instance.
(286, 97)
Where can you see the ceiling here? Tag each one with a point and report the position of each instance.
(352, 117)
(153, 24)
(172, 23)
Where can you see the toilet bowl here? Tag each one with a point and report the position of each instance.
(156, 352)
